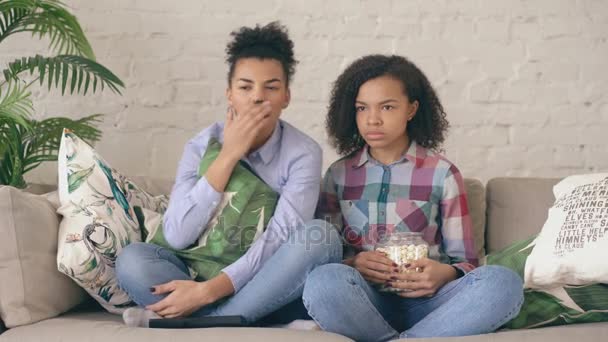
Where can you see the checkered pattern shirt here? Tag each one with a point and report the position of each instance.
(421, 192)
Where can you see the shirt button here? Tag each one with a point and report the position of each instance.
(382, 213)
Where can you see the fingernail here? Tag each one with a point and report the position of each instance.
(152, 289)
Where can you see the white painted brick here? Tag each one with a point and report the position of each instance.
(405, 29)
(593, 134)
(464, 137)
(167, 149)
(171, 7)
(568, 115)
(458, 30)
(569, 156)
(198, 93)
(155, 95)
(555, 27)
(549, 71)
(378, 7)
(562, 48)
(358, 47)
(493, 30)
(511, 114)
(519, 91)
(486, 91)
(127, 151)
(547, 135)
(523, 82)
(525, 29)
(150, 71)
(148, 118)
(506, 158)
(97, 22)
(596, 156)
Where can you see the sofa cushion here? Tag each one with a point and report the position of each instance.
(476, 196)
(31, 288)
(516, 209)
(98, 205)
(104, 327)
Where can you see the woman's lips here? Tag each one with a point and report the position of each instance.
(374, 135)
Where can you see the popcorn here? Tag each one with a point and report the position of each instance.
(403, 251)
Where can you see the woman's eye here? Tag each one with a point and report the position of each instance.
(272, 88)
(387, 107)
(359, 108)
(244, 87)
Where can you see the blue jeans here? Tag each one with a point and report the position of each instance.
(279, 282)
(341, 301)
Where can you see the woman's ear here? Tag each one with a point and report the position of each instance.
(413, 111)
(287, 98)
(229, 96)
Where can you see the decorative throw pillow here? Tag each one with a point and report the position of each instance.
(246, 207)
(99, 207)
(31, 288)
(572, 247)
(555, 306)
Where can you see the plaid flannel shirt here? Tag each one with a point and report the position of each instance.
(421, 192)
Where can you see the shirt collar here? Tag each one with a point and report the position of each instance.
(271, 147)
(415, 154)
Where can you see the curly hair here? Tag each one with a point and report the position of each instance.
(427, 128)
(270, 41)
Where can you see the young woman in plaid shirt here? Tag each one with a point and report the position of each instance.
(387, 121)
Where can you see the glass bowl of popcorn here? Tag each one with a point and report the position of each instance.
(402, 248)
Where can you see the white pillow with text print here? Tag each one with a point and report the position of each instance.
(572, 247)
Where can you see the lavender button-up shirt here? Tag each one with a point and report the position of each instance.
(289, 162)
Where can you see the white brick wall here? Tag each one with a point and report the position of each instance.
(524, 83)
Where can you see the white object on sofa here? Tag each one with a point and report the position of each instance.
(99, 220)
(572, 247)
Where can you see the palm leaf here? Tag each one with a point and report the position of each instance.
(63, 70)
(42, 142)
(15, 103)
(11, 165)
(45, 18)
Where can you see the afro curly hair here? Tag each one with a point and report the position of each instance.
(427, 128)
(264, 42)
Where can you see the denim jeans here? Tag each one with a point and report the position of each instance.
(279, 282)
(341, 301)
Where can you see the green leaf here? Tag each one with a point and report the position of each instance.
(77, 178)
(45, 18)
(15, 103)
(42, 142)
(63, 69)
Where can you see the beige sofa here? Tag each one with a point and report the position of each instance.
(508, 209)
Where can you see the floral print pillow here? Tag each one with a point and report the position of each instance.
(102, 213)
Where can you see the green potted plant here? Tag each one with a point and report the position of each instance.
(25, 143)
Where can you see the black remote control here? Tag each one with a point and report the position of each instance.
(198, 322)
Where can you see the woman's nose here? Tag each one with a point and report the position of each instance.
(373, 118)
